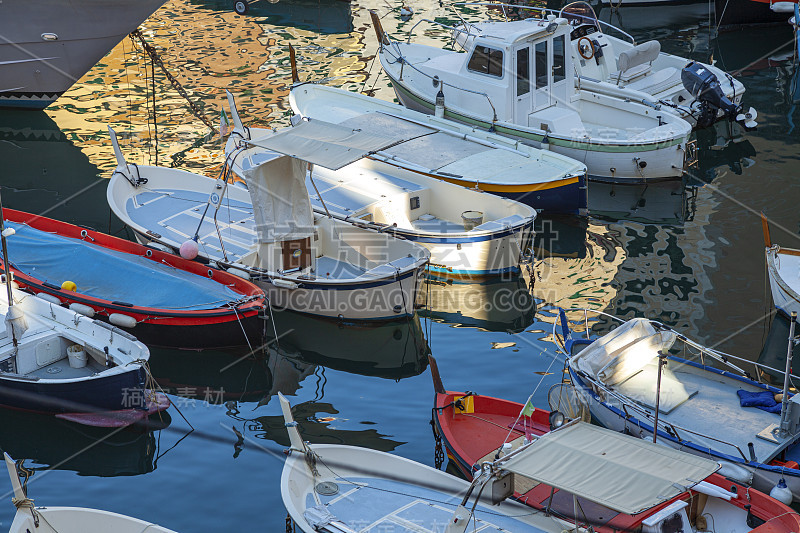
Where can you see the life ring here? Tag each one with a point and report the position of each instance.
(586, 51)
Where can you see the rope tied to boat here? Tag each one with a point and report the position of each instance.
(26, 503)
(23, 503)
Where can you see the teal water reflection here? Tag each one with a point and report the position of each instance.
(689, 254)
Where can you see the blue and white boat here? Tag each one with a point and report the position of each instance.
(469, 233)
(695, 401)
(450, 151)
(269, 234)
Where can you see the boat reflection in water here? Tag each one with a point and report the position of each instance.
(316, 422)
(665, 202)
(720, 149)
(49, 443)
(492, 305)
(393, 351)
(219, 377)
(42, 168)
(319, 16)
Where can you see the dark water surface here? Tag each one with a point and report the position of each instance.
(689, 254)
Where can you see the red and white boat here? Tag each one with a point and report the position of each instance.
(477, 429)
(165, 299)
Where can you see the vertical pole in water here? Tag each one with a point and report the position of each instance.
(784, 427)
(575, 511)
(5, 265)
(662, 360)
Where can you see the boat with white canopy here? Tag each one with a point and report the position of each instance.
(644, 375)
(30, 518)
(453, 152)
(518, 79)
(612, 63)
(338, 488)
(469, 233)
(783, 266)
(268, 233)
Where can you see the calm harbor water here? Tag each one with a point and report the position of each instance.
(689, 254)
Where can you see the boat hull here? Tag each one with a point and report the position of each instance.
(213, 327)
(665, 159)
(114, 392)
(494, 254)
(48, 45)
(785, 298)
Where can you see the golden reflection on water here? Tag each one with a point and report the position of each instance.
(208, 48)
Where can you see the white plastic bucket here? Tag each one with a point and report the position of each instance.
(76, 356)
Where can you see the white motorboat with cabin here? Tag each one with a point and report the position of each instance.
(617, 66)
(644, 375)
(604, 482)
(453, 152)
(269, 234)
(469, 233)
(30, 518)
(518, 79)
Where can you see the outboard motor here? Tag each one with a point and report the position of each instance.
(703, 85)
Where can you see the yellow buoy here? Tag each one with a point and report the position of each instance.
(69, 286)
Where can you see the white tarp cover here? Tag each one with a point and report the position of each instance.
(623, 352)
(327, 145)
(281, 206)
(626, 474)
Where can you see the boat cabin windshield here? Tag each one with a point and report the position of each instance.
(580, 13)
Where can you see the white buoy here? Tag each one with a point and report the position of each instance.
(781, 492)
(189, 249)
(439, 109)
(406, 11)
(82, 309)
(49, 298)
(123, 321)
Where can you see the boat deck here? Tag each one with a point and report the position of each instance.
(61, 370)
(715, 410)
(177, 214)
(374, 505)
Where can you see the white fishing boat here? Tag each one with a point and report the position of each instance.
(783, 269)
(48, 45)
(30, 518)
(644, 375)
(612, 63)
(518, 79)
(605, 482)
(269, 234)
(453, 152)
(468, 233)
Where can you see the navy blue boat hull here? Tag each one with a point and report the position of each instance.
(103, 393)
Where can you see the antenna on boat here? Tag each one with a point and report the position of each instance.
(293, 63)
(783, 432)
(291, 426)
(376, 24)
(662, 361)
(765, 229)
(238, 127)
(15, 315)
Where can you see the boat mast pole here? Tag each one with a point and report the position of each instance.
(662, 360)
(5, 264)
(784, 427)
